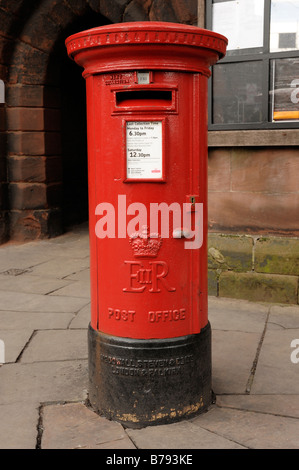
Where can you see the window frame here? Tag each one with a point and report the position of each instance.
(264, 56)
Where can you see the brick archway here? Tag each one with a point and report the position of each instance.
(38, 194)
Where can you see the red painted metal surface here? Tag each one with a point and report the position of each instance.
(143, 285)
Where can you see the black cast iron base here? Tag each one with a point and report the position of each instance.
(148, 382)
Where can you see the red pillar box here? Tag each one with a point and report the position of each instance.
(149, 336)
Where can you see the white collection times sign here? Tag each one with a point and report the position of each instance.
(144, 149)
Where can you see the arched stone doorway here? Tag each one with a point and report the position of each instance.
(44, 125)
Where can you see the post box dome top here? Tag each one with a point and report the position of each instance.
(149, 44)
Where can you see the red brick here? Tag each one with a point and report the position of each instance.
(112, 10)
(61, 13)
(3, 174)
(3, 195)
(27, 196)
(78, 6)
(6, 22)
(6, 50)
(4, 72)
(29, 66)
(4, 226)
(41, 31)
(32, 96)
(24, 196)
(135, 12)
(2, 118)
(186, 11)
(27, 169)
(33, 119)
(162, 11)
(34, 169)
(34, 143)
(33, 224)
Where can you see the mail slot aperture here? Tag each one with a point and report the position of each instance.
(145, 99)
(134, 97)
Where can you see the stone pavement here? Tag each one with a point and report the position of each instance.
(44, 314)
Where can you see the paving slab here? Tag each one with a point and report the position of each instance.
(41, 382)
(60, 267)
(279, 405)
(82, 318)
(31, 284)
(74, 426)
(18, 426)
(183, 435)
(20, 257)
(73, 244)
(74, 289)
(233, 354)
(56, 345)
(275, 372)
(66, 246)
(250, 429)
(35, 320)
(284, 316)
(21, 302)
(234, 315)
(14, 342)
(83, 275)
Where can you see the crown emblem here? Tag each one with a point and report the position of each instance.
(145, 244)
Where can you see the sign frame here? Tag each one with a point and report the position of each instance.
(147, 120)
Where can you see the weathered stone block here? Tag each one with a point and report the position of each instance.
(212, 282)
(112, 10)
(3, 196)
(259, 287)
(30, 66)
(61, 13)
(162, 11)
(41, 30)
(277, 255)
(259, 213)
(34, 195)
(6, 24)
(4, 226)
(32, 95)
(34, 143)
(79, 7)
(2, 118)
(186, 11)
(32, 119)
(35, 224)
(34, 169)
(219, 169)
(232, 252)
(271, 170)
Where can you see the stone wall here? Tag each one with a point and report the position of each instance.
(257, 268)
(254, 190)
(254, 223)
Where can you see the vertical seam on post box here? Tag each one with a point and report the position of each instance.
(95, 196)
(191, 191)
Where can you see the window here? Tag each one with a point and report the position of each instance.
(256, 86)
